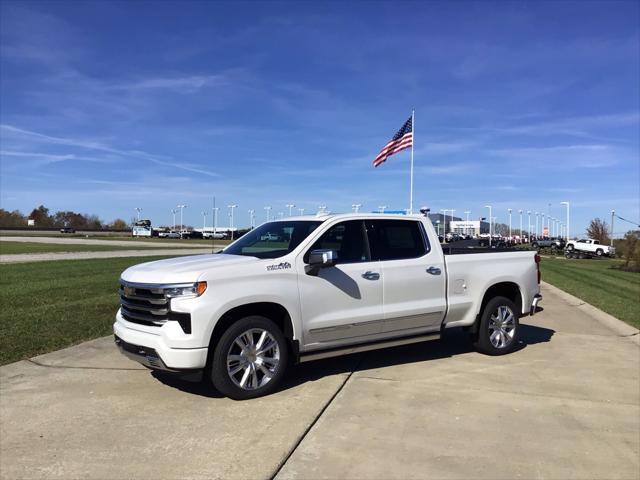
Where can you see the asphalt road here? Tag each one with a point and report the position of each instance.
(82, 241)
(565, 405)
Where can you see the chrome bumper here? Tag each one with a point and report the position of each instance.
(534, 305)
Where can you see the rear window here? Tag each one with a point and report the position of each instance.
(396, 239)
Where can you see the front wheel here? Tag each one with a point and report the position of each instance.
(250, 359)
(599, 252)
(499, 328)
(570, 247)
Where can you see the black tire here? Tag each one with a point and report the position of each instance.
(534, 245)
(570, 248)
(219, 374)
(483, 342)
(599, 252)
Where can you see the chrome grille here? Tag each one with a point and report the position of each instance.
(143, 304)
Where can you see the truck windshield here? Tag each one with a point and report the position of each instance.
(273, 239)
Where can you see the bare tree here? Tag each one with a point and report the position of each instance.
(598, 229)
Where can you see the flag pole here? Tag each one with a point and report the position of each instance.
(413, 129)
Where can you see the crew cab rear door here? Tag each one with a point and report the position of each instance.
(414, 275)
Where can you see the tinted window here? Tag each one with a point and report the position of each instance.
(273, 239)
(348, 239)
(395, 239)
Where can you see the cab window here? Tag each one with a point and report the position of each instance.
(348, 239)
(396, 239)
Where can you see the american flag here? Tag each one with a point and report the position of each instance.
(401, 140)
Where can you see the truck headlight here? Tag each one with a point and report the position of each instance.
(186, 290)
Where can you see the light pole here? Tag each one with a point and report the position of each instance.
(280, 215)
(322, 208)
(138, 209)
(444, 232)
(509, 210)
(529, 227)
(301, 210)
(382, 208)
(356, 207)
(490, 229)
(520, 211)
(537, 219)
(290, 206)
(215, 219)
(466, 228)
(174, 211)
(452, 212)
(251, 218)
(568, 225)
(268, 209)
(231, 208)
(613, 213)
(204, 220)
(181, 207)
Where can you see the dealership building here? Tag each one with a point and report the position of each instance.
(472, 227)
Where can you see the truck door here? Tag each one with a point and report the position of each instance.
(342, 302)
(414, 275)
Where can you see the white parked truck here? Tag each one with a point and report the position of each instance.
(306, 288)
(591, 246)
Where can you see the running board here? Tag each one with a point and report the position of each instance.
(365, 347)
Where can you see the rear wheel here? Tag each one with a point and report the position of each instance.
(499, 328)
(570, 247)
(599, 252)
(250, 359)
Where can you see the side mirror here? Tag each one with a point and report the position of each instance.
(321, 259)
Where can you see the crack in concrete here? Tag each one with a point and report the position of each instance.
(83, 368)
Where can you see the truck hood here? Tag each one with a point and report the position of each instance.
(180, 269)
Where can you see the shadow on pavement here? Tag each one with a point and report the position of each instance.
(454, 342)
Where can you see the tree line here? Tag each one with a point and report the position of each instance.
(43, 218)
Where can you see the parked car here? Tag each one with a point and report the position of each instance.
(172, 234)
(244, 314)
(67, 230)
(590, 245)
(213, 235)
(555, 243)
(270, 237)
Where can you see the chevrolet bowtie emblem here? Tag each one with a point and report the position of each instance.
(128, 291)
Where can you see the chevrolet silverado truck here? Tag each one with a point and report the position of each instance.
(306, 288)
(590, 246)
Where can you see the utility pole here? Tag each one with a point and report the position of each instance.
(356, 207)
(613, 214)
(215, 220)
(290, 206)
(181, 207)
(537, 219)
(520, 211)
(231, 208)
(490, 229)
(509, 210)
(567, 226)
(268, 209)
(251, 218)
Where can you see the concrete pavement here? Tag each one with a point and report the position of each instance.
(565, 405)
(151, 243)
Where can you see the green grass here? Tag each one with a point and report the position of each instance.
(596, 282)
(10, 248)
(51, 305)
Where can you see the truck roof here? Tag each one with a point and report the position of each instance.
(326, 216)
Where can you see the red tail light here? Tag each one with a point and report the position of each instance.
(537, 259)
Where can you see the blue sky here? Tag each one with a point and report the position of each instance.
(107, 106)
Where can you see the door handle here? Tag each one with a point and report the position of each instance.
(434, 271)
(371, 275)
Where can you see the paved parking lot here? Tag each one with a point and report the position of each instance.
(566, 405)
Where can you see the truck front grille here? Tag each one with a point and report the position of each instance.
(149, 306)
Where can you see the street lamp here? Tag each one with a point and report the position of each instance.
(251, 218)
(490, 229)
(566, 231)
(215, 219)
(444, 233)
(290, 206)
(520, 225)
(181, 207)
(382, 208)
(204, 220)
(537, 219)
(509, 210)
(268, 209)
(280, 215)
(138, 209)
(356, 207)
(301, 210)
(466, 227)
(174, 211)
(231, 208)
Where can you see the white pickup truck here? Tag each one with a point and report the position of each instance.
(329, 285)
(591, 246)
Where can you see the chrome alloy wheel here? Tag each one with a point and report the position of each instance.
(502, 327)
(253, 358)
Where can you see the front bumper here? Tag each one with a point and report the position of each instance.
(151, 350)
(534, 305)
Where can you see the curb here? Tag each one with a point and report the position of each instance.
(621, 328)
